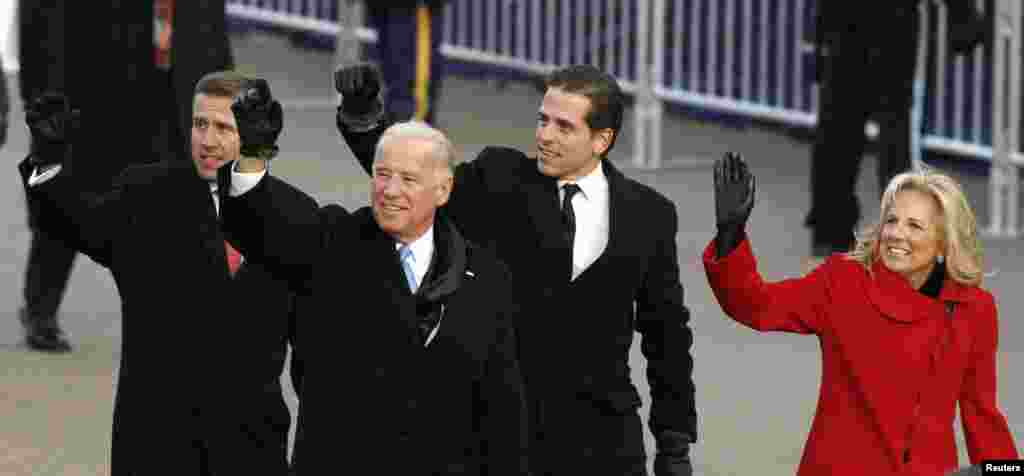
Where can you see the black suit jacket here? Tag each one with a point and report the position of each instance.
(576, 336)
(201, 353)
(373, 395)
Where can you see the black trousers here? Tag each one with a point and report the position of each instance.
(411, 90)
(46, 274)
(869, 74)
(46, 277)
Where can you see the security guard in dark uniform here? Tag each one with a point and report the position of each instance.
(408, 48)
(867, 56)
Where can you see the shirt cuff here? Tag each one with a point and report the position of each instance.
(40, 175)
(243, 182)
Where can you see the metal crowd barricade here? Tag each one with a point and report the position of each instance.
(747, 58)
(1004, 177)
(535, 36)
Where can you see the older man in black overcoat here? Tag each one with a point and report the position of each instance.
(410, 362)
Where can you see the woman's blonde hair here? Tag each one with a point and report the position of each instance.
(958, 232)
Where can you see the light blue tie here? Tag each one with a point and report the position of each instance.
(406, 254)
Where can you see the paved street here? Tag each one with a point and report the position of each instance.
(756, 392)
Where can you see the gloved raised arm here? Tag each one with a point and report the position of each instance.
(734, 199)
(362, 104)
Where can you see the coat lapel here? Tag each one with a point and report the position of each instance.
(384, 266)
(199, 200)
(620, 216)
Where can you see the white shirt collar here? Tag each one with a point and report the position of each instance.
(590, 183)
(216, 199)
(422, 248)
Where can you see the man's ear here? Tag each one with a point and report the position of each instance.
(444, 187)
(602, 140)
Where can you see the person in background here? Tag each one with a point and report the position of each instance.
(409, 53)
(866, 63)
(42, 56)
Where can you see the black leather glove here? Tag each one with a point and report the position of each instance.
(259, 118)
(673, 457)
(967, 29)
(360, 88)
(52, 123)
(734, 199)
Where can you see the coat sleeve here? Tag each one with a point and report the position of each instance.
(87, 222)
(666, 337)
(479, 184)
(987, 433)
(792, 305)
(364, 143)
(503, 416)
(278, 226)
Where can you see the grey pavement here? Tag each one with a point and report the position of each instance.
(756, 393)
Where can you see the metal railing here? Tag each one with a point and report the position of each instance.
(748, 58)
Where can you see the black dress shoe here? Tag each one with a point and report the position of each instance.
(43, 335)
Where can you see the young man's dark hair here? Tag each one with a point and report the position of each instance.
(220, 83)
(606, 99)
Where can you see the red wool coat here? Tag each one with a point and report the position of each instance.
(895, 363)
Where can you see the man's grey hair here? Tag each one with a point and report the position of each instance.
(444, 151)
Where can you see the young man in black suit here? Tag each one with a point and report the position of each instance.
(186, 403)
(593, 259)
(125, 46)
(424, 376)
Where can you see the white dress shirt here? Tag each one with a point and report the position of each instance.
(216, 199)
(243, 182)
(590, 206)
(422, 248)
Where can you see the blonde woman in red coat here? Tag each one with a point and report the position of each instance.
(906, 331)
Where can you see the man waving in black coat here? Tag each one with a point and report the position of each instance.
(593, 259)
(186, 404)
(405, 329)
